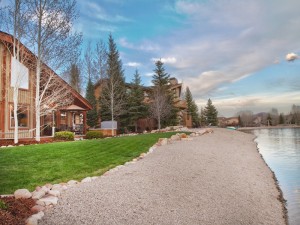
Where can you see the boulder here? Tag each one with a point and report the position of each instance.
(38, 202)
(175, 138)
(31, 221)
(72, 182)
(22, 193)
(38, 215)
(55, 193)
(38, 194)
(57, 187)
(37, 208)
(86, 180)
(48, 200)
(163, 141)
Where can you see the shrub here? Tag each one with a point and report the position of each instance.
(94, 134)
(3, 205)
(64, 135)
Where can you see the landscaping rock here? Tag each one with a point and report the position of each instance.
(48, 185)
(45, 189)
(72, 182)
(94, 178)
(57, 187)
(55, 193)
(31, 221)
(41, 203)
(38, 215)
(38, 194)
(37, 208)
(175, 138)
(48, 200)
(163, 141)
(86, 180)
(22, 193)
(142, 155)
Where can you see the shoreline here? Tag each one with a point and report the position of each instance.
(187, 182)
(268, 127)
(276, 182)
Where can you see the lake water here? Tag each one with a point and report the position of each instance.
(280, 149)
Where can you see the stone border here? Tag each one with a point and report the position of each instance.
(47, 196)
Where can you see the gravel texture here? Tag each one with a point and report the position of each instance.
(217, 178)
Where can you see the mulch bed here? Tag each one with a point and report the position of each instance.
(18, 210)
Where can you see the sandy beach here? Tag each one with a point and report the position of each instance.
(216, 178)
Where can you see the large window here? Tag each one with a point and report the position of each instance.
(23, 116)
(19, 74)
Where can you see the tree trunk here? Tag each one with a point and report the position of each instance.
(158, 123)
(16, 129)
(37, 102)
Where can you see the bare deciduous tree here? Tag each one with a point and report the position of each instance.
(16, 18)
(160, 107)
(51, 40)
(101, 60)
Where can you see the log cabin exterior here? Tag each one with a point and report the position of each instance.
(70, 117)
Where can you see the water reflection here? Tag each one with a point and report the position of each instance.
(281, 151)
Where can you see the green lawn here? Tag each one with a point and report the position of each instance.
(33, 165)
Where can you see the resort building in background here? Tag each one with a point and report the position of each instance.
(148, 124)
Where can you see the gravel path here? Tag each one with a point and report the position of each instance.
(216, 178)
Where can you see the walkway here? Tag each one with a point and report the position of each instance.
(216, 178)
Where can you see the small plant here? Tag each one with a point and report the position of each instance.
(3, 205)
(64, 135)
(94, 135)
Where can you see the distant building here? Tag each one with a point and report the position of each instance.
(225, 122)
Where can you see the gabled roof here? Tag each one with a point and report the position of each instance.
(5, 37)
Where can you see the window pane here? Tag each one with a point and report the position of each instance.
(22, 116)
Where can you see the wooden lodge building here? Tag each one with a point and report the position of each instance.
(148, 124)
(70, 117)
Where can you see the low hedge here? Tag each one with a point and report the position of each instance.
(94, 135)
(64, 135)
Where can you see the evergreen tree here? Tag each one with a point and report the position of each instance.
(269, 120)
(92, 115)
(240, 121)
(281, 118)
(161, 92)
(113, 95)
(192, 108)
(75, 78)
(160, 78)
(202, 117)
(137, 109)
(211, 114)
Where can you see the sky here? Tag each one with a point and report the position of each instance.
(231, 51)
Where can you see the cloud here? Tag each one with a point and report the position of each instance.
(291, 57)
(133, 64)
(167, 60)
(226, 41)
(144, 45)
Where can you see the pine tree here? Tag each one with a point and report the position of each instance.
(160, 78)
(74, 77)
(137, 108)
(211, 114)
(92, 115)
(113, 95)
(202, 117)
(165, 114)
(192, 108)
